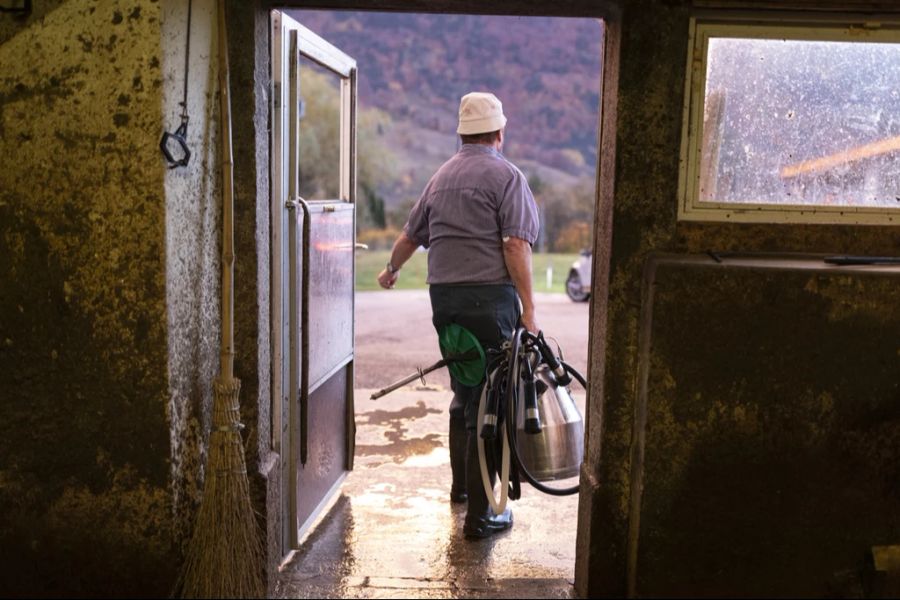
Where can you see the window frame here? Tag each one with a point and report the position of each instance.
(838, 28)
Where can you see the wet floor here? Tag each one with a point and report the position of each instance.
(393, 533)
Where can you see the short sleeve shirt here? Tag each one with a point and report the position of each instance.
(472, 202)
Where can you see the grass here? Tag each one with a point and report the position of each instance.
(369, 264)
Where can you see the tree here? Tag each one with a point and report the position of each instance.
(320, 147)
(568, 215)
(370, 212)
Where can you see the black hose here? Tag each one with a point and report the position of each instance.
(547, 353)
(578, 376)
(491, 422)
(495, 393)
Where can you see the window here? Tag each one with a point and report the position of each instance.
(792, 123)
(320, 132)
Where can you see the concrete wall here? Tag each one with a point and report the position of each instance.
(728, 412)
(193, 248)
(772, 436)
(108, 295)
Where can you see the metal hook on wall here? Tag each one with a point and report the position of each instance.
(174, 145)
(179, 138)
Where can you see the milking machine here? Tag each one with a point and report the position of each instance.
(526, 401)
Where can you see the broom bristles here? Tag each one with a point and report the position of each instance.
(225, 557)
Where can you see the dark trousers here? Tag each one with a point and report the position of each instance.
(491, 313)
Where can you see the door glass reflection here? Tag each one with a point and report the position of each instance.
(320, 132)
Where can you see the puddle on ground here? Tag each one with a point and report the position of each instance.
(384, 417)
(400, 450)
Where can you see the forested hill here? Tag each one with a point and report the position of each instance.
(415, 67)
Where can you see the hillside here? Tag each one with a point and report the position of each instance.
(415, 67)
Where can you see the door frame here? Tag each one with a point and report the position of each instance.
(255, 67)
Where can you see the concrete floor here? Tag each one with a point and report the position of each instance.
(393, 533)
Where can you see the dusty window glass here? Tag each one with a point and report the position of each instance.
(797, 122)
(792, 121)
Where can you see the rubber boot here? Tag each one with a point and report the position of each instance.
(458, 443)
(481, 521)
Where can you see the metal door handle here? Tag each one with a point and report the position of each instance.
(362, 246)
(303, 376)
(304, 337)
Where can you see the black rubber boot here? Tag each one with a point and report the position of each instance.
(458, 442)
(481, 521)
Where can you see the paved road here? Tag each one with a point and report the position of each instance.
(394, 334)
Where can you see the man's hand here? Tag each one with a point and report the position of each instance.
(529, 322)
(403, 249)
(387, 279)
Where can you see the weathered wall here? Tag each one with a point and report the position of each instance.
(193, 246)
(649, 105)
(108, 297)
(772, 444)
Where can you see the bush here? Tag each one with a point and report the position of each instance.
(573, 238)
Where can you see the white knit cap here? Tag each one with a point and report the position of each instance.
(480, 112)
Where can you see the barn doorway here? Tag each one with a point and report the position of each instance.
(390, 525)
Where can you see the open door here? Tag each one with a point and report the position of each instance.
(313, 239)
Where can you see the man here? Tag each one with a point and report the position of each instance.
(478, 218)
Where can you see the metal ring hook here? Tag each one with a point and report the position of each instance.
(180, 138)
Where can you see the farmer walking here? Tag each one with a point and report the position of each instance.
(478, 219)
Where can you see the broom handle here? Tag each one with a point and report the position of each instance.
(226, 355)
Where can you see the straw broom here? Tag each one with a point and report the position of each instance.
(225, 557)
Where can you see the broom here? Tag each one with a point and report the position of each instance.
(225, 557)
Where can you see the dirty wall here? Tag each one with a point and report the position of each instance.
(773, 408)
(108, 294)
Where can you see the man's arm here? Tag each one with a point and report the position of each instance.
(517, 255)
(403, 249)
